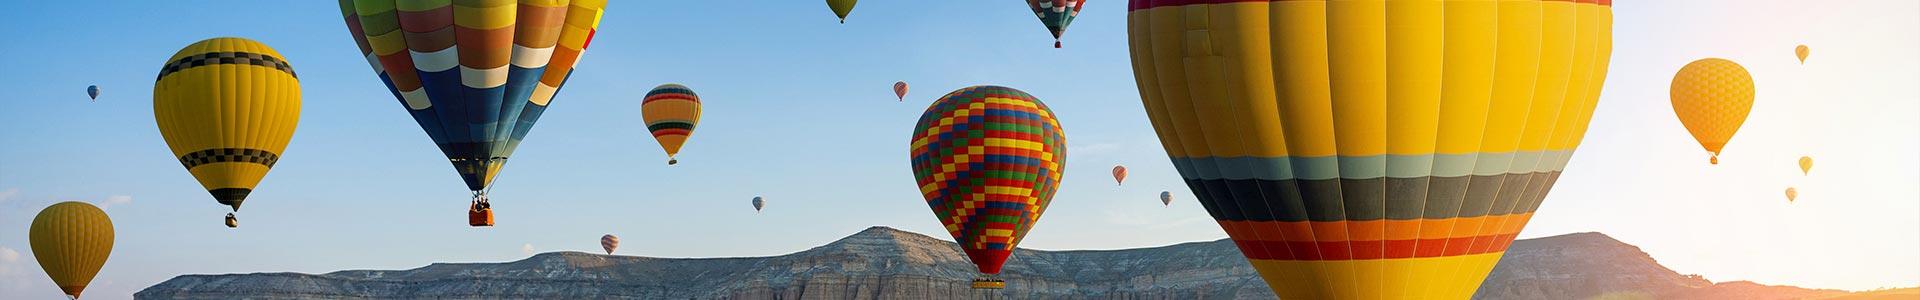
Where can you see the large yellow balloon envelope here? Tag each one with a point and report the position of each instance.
(71, 240)
(1806, 164)
(227, 107)
(1712, 97)
(1370, 149)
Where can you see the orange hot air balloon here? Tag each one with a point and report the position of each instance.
(1801, 51)
(900, 90)
(1712, 98)
(1791, 194)
(1119, 174)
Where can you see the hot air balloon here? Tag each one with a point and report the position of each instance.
(1791, 194)
(671, 111)
(1166, 198)
(1801, 51)
(608, 242)
(841, 8)
(1370, 149)
(1712, 97)
(758, 203)
(93, 92)
(475, 75)
(1119, 174)
(1056, 15)
(1806, 164)
(71, 240)
(988, 159)
(227, 107)
(900, 90)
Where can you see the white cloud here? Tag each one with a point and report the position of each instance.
(8, 194)
(8, 255)
(116, 200)
(526, 249)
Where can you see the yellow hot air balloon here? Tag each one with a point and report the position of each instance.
(227, 107)
(1801, 51)
(1712, 97)
(1791, 194)
(1370, 149)
(1806, 164)
(71, 240)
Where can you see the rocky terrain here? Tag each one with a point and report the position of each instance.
(884, 263)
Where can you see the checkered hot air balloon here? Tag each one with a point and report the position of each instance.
(671, 111)
(1056, 15)
(988, 159)
(476, 75)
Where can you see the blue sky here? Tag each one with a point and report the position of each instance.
(798, 108)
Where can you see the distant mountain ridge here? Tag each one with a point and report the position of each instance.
(885, 263)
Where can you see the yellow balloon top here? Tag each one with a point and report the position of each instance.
(1806, 164)
(1712, 98)
(71, 240)
(1801, 51)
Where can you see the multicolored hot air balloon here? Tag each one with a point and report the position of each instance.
(227, 107)
(93, 92)
(758, 203)
(1166, 198)
(1801, 52)
(671, 111)
(1370, 149)
(1056, 15)
(900, 90)
(476, 75)
(841, 8)
(71, 240)
(609, 242)
(1806, 164)
(1791, 194)
(1712, 98)
(1119, 174)
(988, 159)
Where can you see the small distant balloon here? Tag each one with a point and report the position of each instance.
(1801, 51)
(1791, 194)
(841, 8)
(1119, 174)
(759, 203)
(900, 90)
(1712, 98)
(1166, 198)
(93, 92)
(1806, 164)
(609, 242)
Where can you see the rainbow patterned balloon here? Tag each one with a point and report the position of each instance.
(476, 75)
(988, 159)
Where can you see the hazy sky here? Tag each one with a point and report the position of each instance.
(798, 108)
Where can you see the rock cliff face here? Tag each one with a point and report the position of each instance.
(883, 263)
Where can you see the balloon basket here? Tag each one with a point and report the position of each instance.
(480, 217)
(988, 284)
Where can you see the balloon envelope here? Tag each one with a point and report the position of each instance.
(228, 150)
(988, 159)
(609, 242)
(841, 8)
(1166, 198)
(1791, 194)
(900, 90)
(1806, 164)
(671, 111)
(1370, 149)
(71, 240)
(1056, 15)
(1119, 174)
(1712, 98)
(1801, 52)
(93, 92)
(759, 203)
(475, 75)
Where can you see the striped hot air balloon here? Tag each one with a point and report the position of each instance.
(227, 107)
(609, 242)
(475, 75)
(671, 111)
(1370, 149)
(988, 159)
(900, 90)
